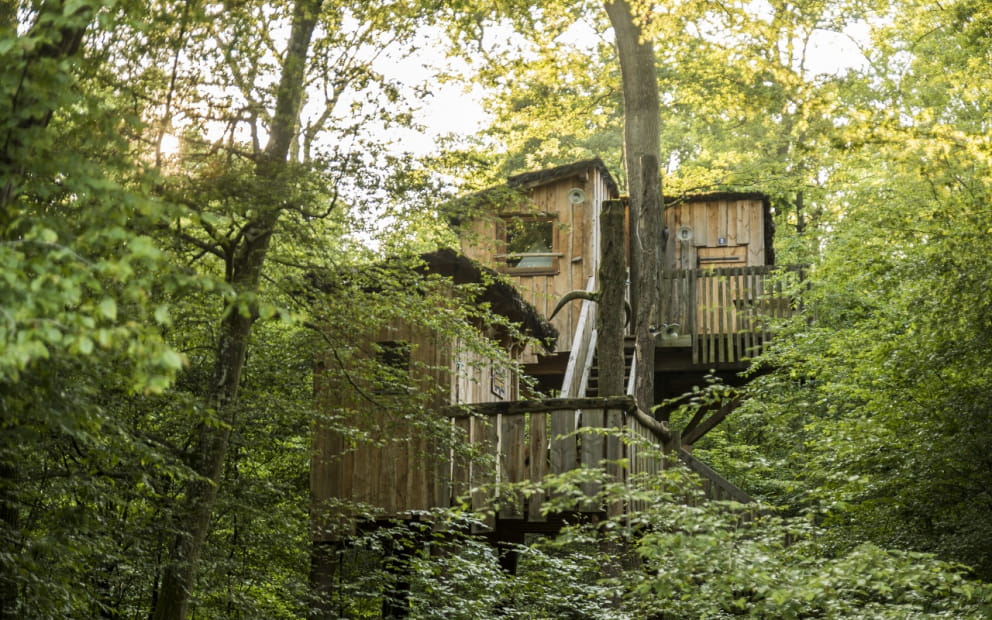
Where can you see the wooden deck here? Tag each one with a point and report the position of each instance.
(502, 454)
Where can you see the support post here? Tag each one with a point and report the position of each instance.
(649, 250)
(612, 279)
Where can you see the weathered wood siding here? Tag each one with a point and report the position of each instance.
(473, 381)
(726, 231)
(510, 442)
(717, 293)
(384, 461)
(392, 457)
(577, 245)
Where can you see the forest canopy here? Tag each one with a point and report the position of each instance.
(172, 174)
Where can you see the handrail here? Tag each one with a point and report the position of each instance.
(571, 385)
(523, 407)
(726, 311)
(723, 487)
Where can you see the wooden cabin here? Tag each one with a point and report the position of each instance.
(719, 297)
(541, 231)
(383, 443)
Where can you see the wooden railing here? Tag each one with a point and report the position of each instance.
(724, 314)
(529, 440)
(583, 349)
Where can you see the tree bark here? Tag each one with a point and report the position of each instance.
(650, 251)
(246, 270)
(641, 147)
(612, 279)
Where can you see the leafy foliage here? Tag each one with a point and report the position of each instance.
(121, 268)
(672, 559)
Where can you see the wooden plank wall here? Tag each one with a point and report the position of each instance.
(475, 379)
(397, 465)
(578, 243)
(385, 461)
(740, 223)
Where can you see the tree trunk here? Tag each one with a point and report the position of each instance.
(246, 270)
(641, 148)
(612, 278)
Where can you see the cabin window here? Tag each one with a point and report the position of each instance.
(530, 245)
(727, 256)
(393, 367)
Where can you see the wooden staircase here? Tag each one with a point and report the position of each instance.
(592, 388)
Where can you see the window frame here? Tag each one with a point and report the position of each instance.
(503, 255)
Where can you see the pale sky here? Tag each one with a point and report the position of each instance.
(451, 109)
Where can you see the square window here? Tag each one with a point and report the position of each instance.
(530, 245)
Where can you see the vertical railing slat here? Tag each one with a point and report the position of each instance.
(693, 330)
(513, 469)
(563, 441)
(537, 465)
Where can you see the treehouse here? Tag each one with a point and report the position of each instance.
(718, 291)
(541, 232)
(393, 453)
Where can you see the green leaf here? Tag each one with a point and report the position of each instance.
(108, 308)
(172, 360)
(84, 345)
(162, 315)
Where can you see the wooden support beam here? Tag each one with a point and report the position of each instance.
(697, 418)
(647, 246)
(612, 286)
(523, 407)
(658, 429)
(697, 432)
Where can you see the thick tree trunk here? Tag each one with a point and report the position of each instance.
(650, 252)
(246, 270)
(641, 147)
(612, 277)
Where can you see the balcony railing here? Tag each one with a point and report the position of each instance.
(725, 314)
(528, 440)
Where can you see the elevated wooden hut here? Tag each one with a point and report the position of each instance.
(540, 232)
(385, 442)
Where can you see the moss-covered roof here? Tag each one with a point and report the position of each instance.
(503, 298)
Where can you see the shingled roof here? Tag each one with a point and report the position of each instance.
(541, 177)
